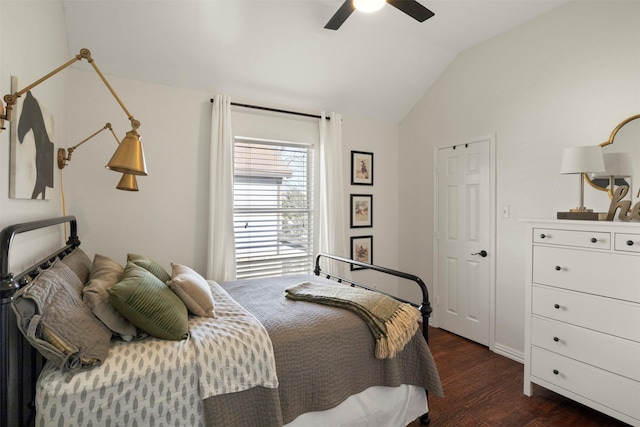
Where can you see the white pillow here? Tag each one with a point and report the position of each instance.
(192, 289)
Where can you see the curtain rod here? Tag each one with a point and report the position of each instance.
(275, 110)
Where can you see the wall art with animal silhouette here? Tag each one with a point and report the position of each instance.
(32, 151)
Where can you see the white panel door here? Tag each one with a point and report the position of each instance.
(464, 240)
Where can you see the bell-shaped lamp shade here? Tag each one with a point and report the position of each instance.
(128, 182)
(129, 157)
(368, 5)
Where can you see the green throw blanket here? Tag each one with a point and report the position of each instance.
(392, 322)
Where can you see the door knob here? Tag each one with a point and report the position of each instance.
(482, 253)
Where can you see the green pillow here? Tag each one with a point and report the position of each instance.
(149, 304)
(150, 265)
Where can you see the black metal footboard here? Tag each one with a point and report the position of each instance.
(425, 307)
(20, 363)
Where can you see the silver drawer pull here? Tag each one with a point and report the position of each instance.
(629, 242)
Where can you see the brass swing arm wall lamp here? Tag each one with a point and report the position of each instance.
(129, 156)
(128, 181)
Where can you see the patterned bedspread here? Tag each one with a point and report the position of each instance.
(158, 382)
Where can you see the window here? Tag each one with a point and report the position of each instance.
(273, 208)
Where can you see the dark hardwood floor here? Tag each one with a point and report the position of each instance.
(485, 389)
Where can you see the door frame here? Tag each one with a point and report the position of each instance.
(491, 138)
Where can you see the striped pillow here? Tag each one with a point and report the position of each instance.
(149, 304)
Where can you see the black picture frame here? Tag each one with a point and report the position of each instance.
(361, 207)
(361, 168)
(361, 250)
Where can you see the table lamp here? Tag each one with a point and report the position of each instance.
(580, 160)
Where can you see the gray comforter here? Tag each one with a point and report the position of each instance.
(323, 355)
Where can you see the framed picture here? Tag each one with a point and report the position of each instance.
(361, 210)
(32, 154)
(361, 168)
(361, 250)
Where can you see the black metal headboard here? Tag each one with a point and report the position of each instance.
(20, 363)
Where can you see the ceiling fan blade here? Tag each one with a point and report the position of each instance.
(412, 8)
(340, 16)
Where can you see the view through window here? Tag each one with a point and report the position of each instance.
(273, 208)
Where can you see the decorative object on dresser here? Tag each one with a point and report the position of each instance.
(582, 314)
(618, 202)
(617, 171)
(581, 160)
(626, 136)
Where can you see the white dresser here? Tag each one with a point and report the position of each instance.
(582, 324)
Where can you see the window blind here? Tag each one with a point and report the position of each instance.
(273, 208)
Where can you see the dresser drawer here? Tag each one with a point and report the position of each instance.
(610, 353)
(616, 275)
(627, 242)
(610, 390)
(581, 239)
(610, 316)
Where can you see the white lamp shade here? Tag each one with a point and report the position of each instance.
(615, 164)
(582, 159)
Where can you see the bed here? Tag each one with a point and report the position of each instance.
(293, 363)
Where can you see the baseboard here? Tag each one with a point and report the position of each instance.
(508, 352)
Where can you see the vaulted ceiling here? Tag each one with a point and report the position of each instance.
(376, 66)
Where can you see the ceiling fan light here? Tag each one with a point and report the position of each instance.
(368, 5)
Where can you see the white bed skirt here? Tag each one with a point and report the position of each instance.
(395, 406)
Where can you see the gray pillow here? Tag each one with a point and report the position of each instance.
(105, 272)
(55, 320)
(79, 262)
(149, 304)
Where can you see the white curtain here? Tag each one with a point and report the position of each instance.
(221, 257)
(332, 232)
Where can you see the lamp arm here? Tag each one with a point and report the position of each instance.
(135, 124)
(65, 156)
(12, 99)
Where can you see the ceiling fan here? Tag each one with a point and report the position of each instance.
(410, 7)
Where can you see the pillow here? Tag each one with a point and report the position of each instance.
(149, 265)
(149, 304)
(53, 317)
(79, 262)
(105, 273)
(193, 290)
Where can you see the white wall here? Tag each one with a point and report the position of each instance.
(382, 140)
(33, 44)
(567, 78)
(167, 218)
